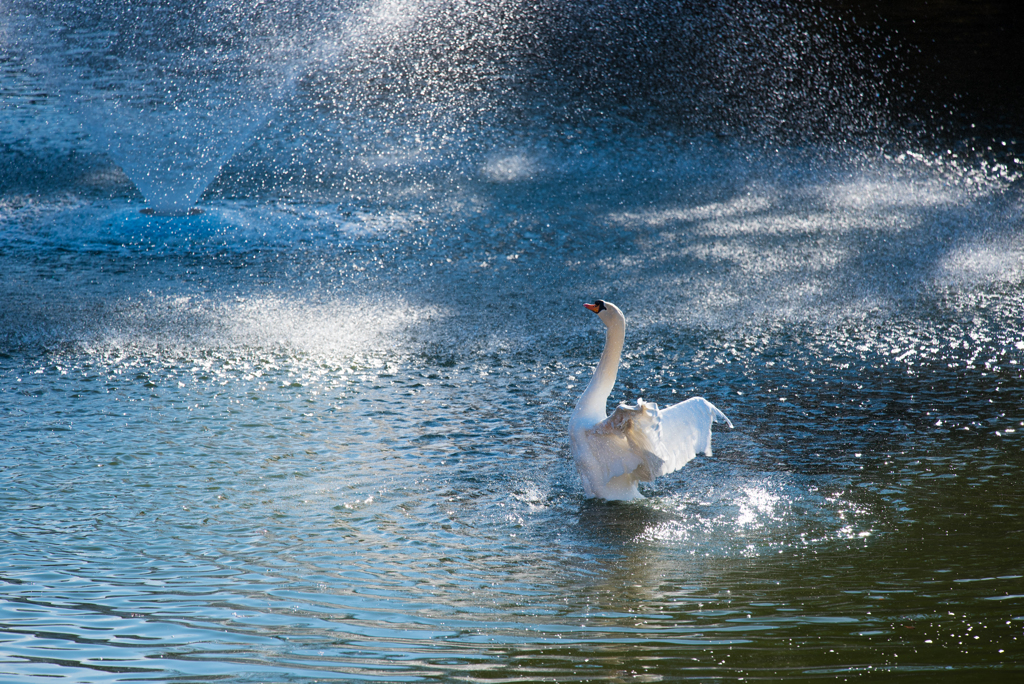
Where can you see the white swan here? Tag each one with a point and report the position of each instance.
(635, 443)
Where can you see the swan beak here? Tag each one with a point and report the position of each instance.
(592, 307)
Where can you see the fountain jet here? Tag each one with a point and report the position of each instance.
(171, 91)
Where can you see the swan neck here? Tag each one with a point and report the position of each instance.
(596, 395)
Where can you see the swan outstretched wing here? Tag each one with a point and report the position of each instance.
(686, 431)
(652, 441)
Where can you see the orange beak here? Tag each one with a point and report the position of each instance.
(592, 307)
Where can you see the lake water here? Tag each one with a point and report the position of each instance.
(318, 432)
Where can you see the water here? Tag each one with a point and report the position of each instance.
(318, 432)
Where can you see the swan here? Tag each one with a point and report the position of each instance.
(635, 443)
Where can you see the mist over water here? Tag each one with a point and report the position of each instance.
(318, 431)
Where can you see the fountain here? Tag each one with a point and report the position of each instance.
(170, 91)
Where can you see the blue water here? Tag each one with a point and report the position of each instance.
(318, 431)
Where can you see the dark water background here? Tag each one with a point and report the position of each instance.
(317, 432)
(965, 57)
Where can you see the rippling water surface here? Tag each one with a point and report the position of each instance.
(320, 433)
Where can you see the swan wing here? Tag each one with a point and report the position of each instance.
(685, 431)
(635, 430)
(649, 442)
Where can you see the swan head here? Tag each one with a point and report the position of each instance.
(607, 312)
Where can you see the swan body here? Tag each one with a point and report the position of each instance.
(636, 443)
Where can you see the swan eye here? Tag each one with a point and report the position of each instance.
(600, 305)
